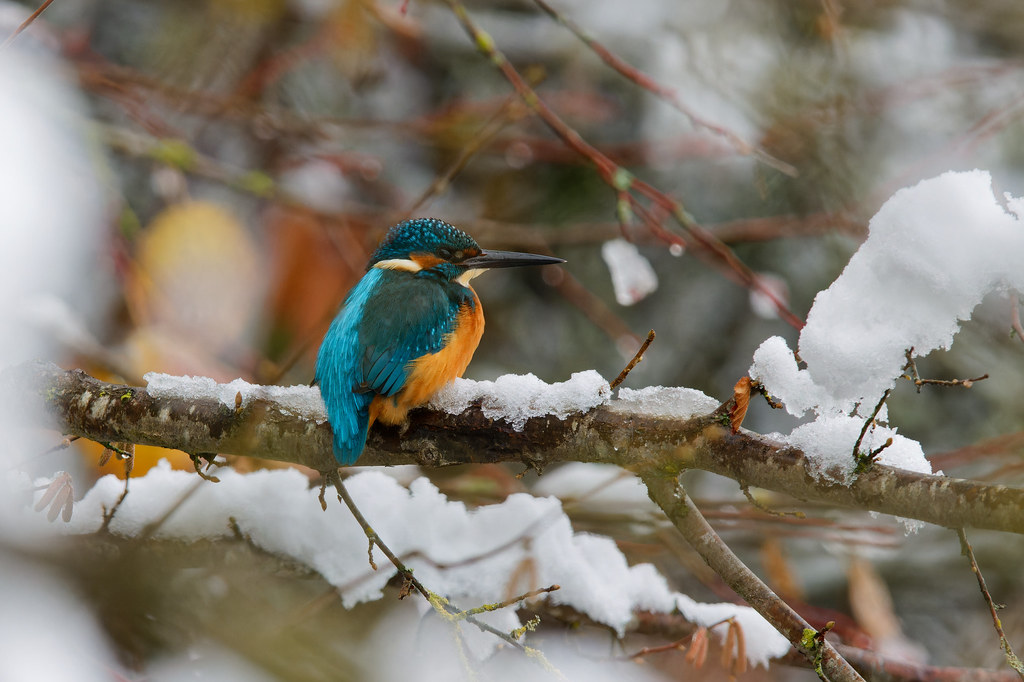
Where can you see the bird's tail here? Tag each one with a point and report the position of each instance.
(349, 414)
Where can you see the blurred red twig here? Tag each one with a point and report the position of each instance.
(668, 94)
(25, 24)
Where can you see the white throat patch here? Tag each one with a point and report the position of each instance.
(464, 278)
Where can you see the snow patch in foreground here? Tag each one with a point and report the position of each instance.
(483, 549)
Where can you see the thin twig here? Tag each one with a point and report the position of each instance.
(1004, 644)
(678, 645)
(374, 539)
(757, 505)
(637, 359)
(859, 458)
(510, 111)
(665, 93)
(25, 24)
(966, 383)
(64, 444)
(911, 366)
(486, 608)
(151, 528)
(210, 461)
(129, 464)
(592, 306)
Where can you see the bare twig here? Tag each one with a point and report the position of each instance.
(966, 383)
(155, 525)
(1004, 644)
(128, 454)
(637, 359)
(773, 512)
(911, 366)
(678, 645)
(862, 460)
(373, 538)
(665, 93)
(594, 307)
(210, 461)
(25, 24)
(510, 111)
(505, 604)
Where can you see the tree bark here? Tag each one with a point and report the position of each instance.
(76, 404)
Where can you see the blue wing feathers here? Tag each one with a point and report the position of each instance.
(389, 319)
(408, 317)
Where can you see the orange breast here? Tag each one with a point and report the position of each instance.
(430, 372)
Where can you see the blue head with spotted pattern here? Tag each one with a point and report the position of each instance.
(426, 236)
(405, 307)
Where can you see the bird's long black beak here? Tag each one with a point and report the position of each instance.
(507, 259)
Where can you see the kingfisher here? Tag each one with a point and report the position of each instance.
(408, 327)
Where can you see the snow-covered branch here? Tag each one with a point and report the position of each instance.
(650, 431)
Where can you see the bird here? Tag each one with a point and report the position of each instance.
(406, 329)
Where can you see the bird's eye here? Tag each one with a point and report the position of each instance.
(445, 252)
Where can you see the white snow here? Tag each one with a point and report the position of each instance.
(775, 367)
(454, 545)
(933, 252)
(673, 402)
(599, 486)
(831, 438)
(515, 398)
(301, 401)
(633, 278)
(762, 304)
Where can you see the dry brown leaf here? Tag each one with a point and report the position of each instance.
(870, 601)
(741, 401)
(779, 573)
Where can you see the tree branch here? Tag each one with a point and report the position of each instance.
(79, 405)
(668, 494)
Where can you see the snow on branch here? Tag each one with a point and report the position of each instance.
(933, 252)
(653, 430)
